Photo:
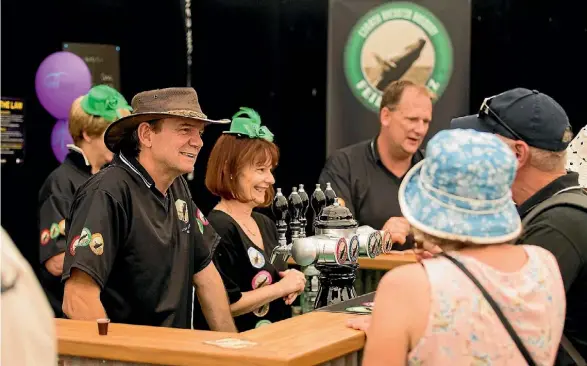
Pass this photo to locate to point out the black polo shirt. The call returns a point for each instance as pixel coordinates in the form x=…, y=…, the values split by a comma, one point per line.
x=367, y=187
x=140, y=246
x=563, y=231
x=55, y=197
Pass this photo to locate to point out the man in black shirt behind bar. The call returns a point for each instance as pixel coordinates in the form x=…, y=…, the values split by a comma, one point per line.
x=136, y=242
x=366, y=176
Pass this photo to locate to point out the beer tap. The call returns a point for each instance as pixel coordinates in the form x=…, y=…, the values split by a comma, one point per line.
x=318, y=202
x=280, y=211
x=295, y=206
x=330, y=195
x=305, y=203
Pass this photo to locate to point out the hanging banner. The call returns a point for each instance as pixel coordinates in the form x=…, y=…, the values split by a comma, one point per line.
x=373, y=43
x=186, y=12
x=103, y=60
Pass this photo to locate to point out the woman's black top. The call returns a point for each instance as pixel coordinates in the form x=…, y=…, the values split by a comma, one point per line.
x=245, y=267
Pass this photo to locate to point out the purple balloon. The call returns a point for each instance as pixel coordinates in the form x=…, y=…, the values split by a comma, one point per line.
x=60, y=79
x=60, y=138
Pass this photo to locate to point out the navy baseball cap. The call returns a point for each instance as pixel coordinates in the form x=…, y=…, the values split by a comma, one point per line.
x=522, y=114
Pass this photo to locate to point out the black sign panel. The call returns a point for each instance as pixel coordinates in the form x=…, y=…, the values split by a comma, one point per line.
x=12, y=131
x=102, y=60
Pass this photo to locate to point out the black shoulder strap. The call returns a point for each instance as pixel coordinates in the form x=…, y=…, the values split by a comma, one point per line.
x=568, y=198
x=496, y=308
x=572, y=199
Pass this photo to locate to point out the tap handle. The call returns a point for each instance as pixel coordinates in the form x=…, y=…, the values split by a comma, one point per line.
x=305, y=200
x=318, y=200
x=330, y=195
x=279, y=206
x=295, y=204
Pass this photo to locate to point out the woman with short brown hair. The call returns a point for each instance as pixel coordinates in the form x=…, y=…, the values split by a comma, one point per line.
x=240, y=173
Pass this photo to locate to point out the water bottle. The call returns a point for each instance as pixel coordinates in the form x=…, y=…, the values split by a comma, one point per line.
x=308, y=297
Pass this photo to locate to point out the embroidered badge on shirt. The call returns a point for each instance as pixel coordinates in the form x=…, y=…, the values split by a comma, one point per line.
x=62, y=227
x=257, y=259
x=200, y=216
x=97, y=244
x=201, y=220
x=45, y=237
x=74, y=244
x=85, y=237
x=54, y=230
x=182, y=210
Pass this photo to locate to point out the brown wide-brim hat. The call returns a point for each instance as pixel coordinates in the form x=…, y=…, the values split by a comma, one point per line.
x=153, y=105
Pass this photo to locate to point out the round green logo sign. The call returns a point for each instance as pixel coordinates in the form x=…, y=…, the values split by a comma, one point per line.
x=394, y=41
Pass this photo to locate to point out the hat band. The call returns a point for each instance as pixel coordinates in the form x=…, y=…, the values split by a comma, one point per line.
x=462, y=204
x=177, y=112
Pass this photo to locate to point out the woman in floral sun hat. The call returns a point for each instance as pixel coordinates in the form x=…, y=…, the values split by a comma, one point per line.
x=458, y=199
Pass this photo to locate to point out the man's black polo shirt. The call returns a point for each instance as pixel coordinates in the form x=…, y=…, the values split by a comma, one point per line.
x=140, y=246
x=367, y=187
x=55, y=197
x=563, y=231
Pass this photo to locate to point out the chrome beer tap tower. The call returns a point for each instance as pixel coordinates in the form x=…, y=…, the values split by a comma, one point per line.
x=336, y=243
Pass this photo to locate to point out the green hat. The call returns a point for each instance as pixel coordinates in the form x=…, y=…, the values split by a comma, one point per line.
x=247, y=122
x=105, y=102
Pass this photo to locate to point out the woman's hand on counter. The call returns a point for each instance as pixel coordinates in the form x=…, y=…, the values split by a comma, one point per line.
x=292, y=282
x=361, y=322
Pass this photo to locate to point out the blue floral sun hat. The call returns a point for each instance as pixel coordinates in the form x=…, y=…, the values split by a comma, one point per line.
x=462, y=189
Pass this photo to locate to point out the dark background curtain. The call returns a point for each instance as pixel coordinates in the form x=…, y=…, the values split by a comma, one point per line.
x=265, y=54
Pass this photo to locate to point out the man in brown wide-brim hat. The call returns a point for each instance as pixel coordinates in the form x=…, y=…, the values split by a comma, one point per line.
x=137, y=244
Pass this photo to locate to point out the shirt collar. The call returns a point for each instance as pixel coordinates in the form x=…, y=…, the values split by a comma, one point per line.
x=134, y=165
x=566, y=182
x=77, y=157
x=374, y=153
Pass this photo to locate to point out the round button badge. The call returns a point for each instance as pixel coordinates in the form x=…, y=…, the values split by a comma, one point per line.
x=354, y=248
x=256, y=258
x=262, y=311
x=263, y=278
x=387, y=243
x=374, y=244
x=341, y=251
x=261, y=323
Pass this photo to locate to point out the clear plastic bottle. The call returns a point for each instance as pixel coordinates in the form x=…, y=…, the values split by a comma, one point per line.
x=308, y=297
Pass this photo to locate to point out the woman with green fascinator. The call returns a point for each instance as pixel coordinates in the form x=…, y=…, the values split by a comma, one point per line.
x=89, y=116
x=240, y=173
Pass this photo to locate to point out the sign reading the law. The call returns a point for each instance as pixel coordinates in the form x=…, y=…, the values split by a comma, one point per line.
x=12, y=130
x=373, y=43
x=102, y=60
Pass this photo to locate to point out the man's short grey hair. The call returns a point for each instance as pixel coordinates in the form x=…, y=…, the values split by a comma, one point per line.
x=548, y=161
x=543, y=160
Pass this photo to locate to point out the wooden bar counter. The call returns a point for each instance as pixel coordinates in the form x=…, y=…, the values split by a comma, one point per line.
x=310, y=339
x=383, y=262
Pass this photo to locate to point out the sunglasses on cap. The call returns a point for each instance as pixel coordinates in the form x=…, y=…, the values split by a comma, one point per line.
x=485, y=110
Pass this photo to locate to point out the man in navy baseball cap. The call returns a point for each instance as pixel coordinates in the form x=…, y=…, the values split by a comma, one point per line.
x=537, y=130
x=525, y=115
